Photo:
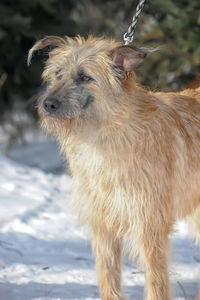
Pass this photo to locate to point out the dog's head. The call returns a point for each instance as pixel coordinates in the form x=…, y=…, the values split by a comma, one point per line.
x=87, y=80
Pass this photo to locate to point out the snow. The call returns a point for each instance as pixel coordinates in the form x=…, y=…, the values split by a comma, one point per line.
x=44, y=254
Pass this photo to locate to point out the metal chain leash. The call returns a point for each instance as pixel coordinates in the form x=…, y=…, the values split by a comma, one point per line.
x=129, y=35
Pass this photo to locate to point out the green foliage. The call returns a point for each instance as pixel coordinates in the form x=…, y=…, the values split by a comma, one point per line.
x=175, y=25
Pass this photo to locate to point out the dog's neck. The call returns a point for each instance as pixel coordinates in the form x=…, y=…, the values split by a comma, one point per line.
x=129, y=82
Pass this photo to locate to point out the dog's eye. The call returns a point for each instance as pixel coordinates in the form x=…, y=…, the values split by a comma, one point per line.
x=84, y=78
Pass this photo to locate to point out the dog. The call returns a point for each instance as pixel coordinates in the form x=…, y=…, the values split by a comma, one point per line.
x=134, y=155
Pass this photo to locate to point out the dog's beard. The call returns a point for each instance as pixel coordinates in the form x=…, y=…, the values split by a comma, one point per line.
x=56, y=125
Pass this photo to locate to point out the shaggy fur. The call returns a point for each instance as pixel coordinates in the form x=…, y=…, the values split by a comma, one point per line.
x=134, y=155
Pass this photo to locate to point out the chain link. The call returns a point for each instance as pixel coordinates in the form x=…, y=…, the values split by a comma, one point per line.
x=129, y=35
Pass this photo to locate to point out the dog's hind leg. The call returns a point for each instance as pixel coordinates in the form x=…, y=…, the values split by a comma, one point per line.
x=108, y=250
x=194, y=222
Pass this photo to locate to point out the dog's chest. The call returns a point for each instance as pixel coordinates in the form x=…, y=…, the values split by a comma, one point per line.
x=86, y=162
x=99, y=192
x=99, y=174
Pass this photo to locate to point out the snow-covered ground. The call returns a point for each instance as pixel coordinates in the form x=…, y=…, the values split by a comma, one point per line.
x=45, y=255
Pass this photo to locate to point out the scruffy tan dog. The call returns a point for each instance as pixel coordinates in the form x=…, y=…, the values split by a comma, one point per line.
x=134, y=155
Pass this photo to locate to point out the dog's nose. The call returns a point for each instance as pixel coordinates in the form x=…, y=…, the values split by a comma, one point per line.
x=51, y=104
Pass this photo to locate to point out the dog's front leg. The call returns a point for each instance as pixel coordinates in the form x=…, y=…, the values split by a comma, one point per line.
x=155, y=256
x=108, y=250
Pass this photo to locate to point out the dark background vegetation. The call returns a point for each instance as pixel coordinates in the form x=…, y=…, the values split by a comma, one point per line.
x=175, y=25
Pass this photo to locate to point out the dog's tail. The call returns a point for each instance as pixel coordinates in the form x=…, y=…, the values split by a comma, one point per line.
x=195, y=83
x=192, y=89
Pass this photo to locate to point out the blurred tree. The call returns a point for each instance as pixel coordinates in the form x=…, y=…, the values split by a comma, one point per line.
x=175, y=25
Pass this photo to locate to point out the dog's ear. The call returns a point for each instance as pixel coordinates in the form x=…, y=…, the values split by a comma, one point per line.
x=55, y=41
x=128, y=58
